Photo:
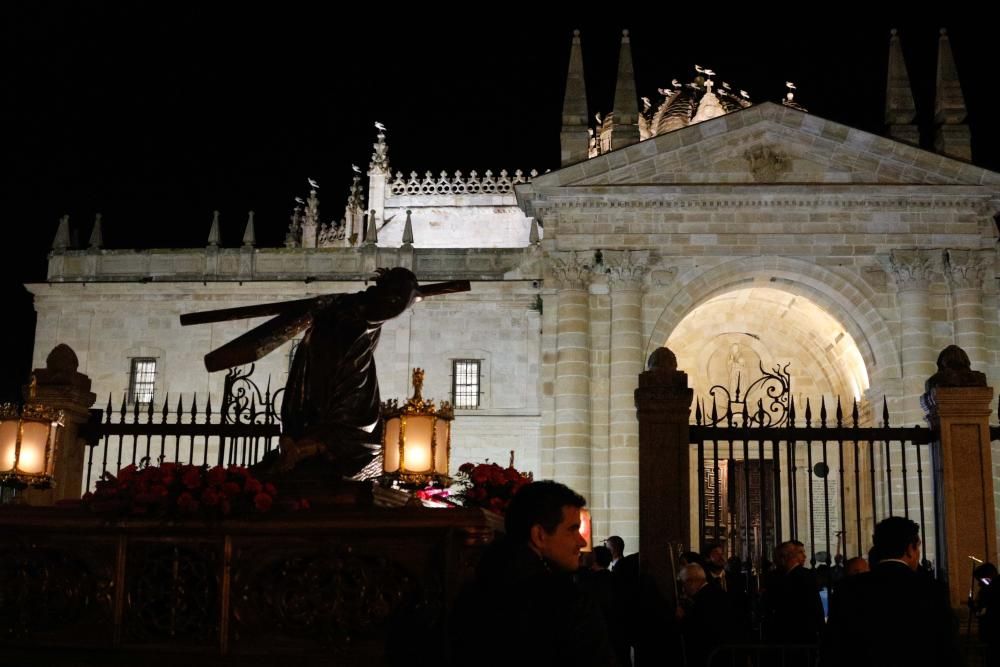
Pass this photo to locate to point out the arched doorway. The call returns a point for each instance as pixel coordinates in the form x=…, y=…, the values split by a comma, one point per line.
x=751, y=489
x=726, y=339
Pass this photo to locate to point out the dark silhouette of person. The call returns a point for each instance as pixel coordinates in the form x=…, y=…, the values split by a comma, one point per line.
x=892, y=616
x=987, y=610
x=598, y=582
x=706, y=616
x=793, y=611
x=617, y=547
x=523, y=607
x=727, y=575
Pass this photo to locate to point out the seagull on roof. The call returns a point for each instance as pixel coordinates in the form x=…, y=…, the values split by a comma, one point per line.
x=726, y=86
x=744, y=94
x=313, y=184
x=646, y=104
x=356, y=168
x=379, y=126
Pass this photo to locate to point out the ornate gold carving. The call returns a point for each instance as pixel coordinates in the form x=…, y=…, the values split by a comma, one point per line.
x=332, y=596
x=173, y=593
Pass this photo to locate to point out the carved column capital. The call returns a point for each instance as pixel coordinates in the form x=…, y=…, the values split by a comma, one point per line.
x=965, y=269
x=571, y=270
x=912, y=268
x=626, y=270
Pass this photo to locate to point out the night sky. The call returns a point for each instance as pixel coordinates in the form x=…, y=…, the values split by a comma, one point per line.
x=156, y=114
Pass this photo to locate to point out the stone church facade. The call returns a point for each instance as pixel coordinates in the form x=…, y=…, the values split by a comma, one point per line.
x=738, y=235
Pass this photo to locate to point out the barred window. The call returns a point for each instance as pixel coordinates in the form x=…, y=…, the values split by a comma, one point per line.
x=465, y=382
x=142, y=380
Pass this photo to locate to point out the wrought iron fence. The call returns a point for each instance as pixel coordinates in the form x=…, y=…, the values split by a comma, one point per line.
x=241, y=432
x=766, y=479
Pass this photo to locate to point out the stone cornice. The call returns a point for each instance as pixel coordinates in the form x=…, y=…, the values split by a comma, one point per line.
x=270, y=264
x=977, y=202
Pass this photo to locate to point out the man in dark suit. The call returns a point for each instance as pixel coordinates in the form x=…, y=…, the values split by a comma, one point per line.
x=706, y=616
x=524, y=591
x=892, y=616
x=793, y=611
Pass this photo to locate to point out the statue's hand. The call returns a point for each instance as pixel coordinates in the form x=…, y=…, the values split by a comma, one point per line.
x=292, y=451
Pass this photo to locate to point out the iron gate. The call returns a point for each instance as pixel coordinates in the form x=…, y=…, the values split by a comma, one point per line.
x=766, y=479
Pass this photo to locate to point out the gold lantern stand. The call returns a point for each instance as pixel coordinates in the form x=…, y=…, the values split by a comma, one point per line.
x=28, y=438
x=416, y=439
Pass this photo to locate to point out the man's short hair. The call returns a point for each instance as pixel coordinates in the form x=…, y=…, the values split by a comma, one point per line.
x=692, y=557
x=539, y=503
x=709, y=547
x=616, y=543
x=893, y=536
x=602, y=556
x=985, y=571
x=693, y=571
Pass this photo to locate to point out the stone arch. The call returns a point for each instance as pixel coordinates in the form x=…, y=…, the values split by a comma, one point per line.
x=847, y=300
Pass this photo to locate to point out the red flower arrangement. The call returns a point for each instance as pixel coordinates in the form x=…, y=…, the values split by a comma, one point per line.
x=172, y=489
x=489, y=486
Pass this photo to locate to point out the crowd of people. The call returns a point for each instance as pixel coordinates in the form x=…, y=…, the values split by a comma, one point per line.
x=550, y=604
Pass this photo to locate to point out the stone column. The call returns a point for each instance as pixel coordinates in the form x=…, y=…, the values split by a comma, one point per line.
x=912, y=270
x=663, y=405
x=61, y=387
x=572, y=386
x=958, y=404
x=625, y=281
x=965, y=270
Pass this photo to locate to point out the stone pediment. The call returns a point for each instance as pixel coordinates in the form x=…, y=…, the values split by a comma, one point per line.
x=769, y=143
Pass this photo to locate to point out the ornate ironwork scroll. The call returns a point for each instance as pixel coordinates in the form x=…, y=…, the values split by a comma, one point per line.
x=765, y=402
x=244, y=403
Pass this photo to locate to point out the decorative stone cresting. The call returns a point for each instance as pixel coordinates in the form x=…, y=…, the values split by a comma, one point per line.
x=459, y=185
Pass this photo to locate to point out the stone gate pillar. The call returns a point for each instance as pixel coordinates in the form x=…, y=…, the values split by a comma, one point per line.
x=663, y=405
x=61, y=387
x=958, y=404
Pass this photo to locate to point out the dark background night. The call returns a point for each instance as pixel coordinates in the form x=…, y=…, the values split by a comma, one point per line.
x=156, y=114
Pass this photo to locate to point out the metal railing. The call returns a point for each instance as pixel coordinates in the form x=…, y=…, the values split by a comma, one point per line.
x=825, y=483
x=241, y=432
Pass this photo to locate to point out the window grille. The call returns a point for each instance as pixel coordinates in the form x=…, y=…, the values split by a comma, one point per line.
x=142, y=380
x=465, y=383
